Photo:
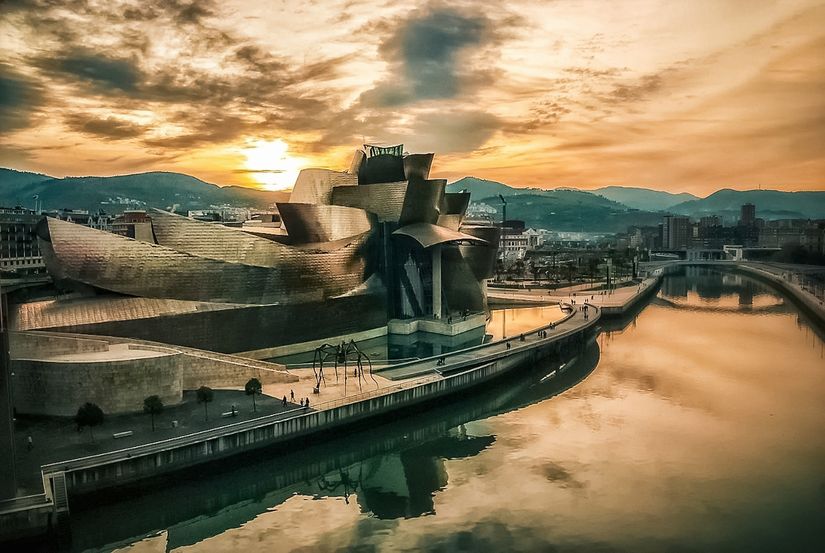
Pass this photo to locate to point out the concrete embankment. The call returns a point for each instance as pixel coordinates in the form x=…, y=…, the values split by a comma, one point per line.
x=806, y=301
x=421, y=382
x=154, y=459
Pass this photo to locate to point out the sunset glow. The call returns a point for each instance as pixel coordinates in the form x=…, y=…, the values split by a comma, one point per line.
x=678, y=96
x=270, y=165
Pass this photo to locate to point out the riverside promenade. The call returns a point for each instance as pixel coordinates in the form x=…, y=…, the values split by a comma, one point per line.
x=614, y=302
x=396, y=388
x=785, y=277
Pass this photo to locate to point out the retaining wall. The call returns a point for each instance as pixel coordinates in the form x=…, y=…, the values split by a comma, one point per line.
x=57, y=388
x=123, y=467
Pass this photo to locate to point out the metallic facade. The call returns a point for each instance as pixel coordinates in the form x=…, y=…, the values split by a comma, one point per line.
x=314, y=186
x=360, y=246
x=385, y=200
x=131, y=267
x=308, y=223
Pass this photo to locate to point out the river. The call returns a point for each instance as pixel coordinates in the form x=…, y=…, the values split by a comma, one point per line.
x=698, y=424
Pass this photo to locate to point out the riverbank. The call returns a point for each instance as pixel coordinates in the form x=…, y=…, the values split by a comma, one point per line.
x=613, y=303
x=806, y=301
x=414, y=384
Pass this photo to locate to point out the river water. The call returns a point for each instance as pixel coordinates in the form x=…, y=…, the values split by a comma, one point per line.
x=697, y=424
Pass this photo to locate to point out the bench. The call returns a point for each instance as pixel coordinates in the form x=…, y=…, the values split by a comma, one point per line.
x=124, y=434
x=229, y=414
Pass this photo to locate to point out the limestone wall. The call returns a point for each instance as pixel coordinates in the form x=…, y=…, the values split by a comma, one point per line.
x=217, y=372
x=34, y=345
x=46, y=384
x=58, y=388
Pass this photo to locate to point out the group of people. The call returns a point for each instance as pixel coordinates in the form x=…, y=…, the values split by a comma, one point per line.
x=464, y=314
x=304, y=402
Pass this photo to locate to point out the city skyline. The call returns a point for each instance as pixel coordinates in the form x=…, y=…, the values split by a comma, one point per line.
x=689, y=98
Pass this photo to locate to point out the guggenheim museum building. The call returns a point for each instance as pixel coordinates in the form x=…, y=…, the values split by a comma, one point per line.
x=360, y=248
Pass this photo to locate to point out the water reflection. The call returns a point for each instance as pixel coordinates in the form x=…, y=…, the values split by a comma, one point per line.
x=503, y=322
x=392, y=471
x=700, y=430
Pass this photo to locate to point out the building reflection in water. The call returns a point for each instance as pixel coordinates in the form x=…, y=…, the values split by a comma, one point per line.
x=402, y=485
x=392, y=471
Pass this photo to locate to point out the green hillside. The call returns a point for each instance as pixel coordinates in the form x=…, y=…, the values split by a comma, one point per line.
x=113, y=194
x=574, y=210
x=770, y=204
x=643, y=198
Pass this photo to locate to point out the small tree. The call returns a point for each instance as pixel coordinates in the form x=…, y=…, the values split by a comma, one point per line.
x=89, y=415
x=253, y=388
x=205, y=396
x=152, y=405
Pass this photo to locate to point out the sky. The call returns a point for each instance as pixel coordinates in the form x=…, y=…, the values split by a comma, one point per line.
x=673, y=95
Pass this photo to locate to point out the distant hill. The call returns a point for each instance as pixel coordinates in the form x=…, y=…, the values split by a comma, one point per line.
x=643, y=198
x=482, y=188
x=770, y=204
x=562, y=209
x=573, y=211
x=113, y=194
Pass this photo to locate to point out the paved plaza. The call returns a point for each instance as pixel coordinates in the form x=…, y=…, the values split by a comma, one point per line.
x=56, y=439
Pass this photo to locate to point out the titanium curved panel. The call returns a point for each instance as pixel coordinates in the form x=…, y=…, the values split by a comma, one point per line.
x=314, y=186
x=355, y=165
x=215, y=241
x=452, y=222
x=422, y=203
x=455, y=203
x=429, y=235
x=461, y=289
x=384, y=200
x=103, y=309
x=381, y=168
x=417, y=166
x=482, y=258
x=307, y=223
x=135, y=268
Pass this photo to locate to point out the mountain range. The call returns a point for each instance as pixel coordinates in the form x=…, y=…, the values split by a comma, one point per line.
x=114, y=194
x=609, y=209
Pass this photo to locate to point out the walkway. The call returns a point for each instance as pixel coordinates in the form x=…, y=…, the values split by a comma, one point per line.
x=613, y=302
x=58, y=439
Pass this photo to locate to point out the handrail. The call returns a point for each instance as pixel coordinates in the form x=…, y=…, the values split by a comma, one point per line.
x=203, y=435
x=23, y=502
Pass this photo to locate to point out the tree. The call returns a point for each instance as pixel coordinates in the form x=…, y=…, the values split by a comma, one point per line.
x=152, y=405
x=205, y=396
x=253, y=388
x=89, y=415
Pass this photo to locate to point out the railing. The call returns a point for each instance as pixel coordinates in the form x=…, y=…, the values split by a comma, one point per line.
x=24, y=502
x=250, y=424
x=203, y=435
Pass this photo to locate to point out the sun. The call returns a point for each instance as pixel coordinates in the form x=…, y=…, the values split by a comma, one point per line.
x=269, y=163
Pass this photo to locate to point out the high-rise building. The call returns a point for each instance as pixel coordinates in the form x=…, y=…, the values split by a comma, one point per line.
x=748, y=216
x=676, y=232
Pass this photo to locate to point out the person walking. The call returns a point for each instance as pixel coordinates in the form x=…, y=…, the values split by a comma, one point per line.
x=284, y=401
x=29, y=443
x=306, y=404
x=292, y=396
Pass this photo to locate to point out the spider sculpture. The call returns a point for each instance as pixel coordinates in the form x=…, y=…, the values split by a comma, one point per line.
x=343, y=354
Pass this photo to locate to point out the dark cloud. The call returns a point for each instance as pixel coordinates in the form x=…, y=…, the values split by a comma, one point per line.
x=20, y=97
x=253, y=91
x=107, y=127
x=108, y=74
x=429, y=53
